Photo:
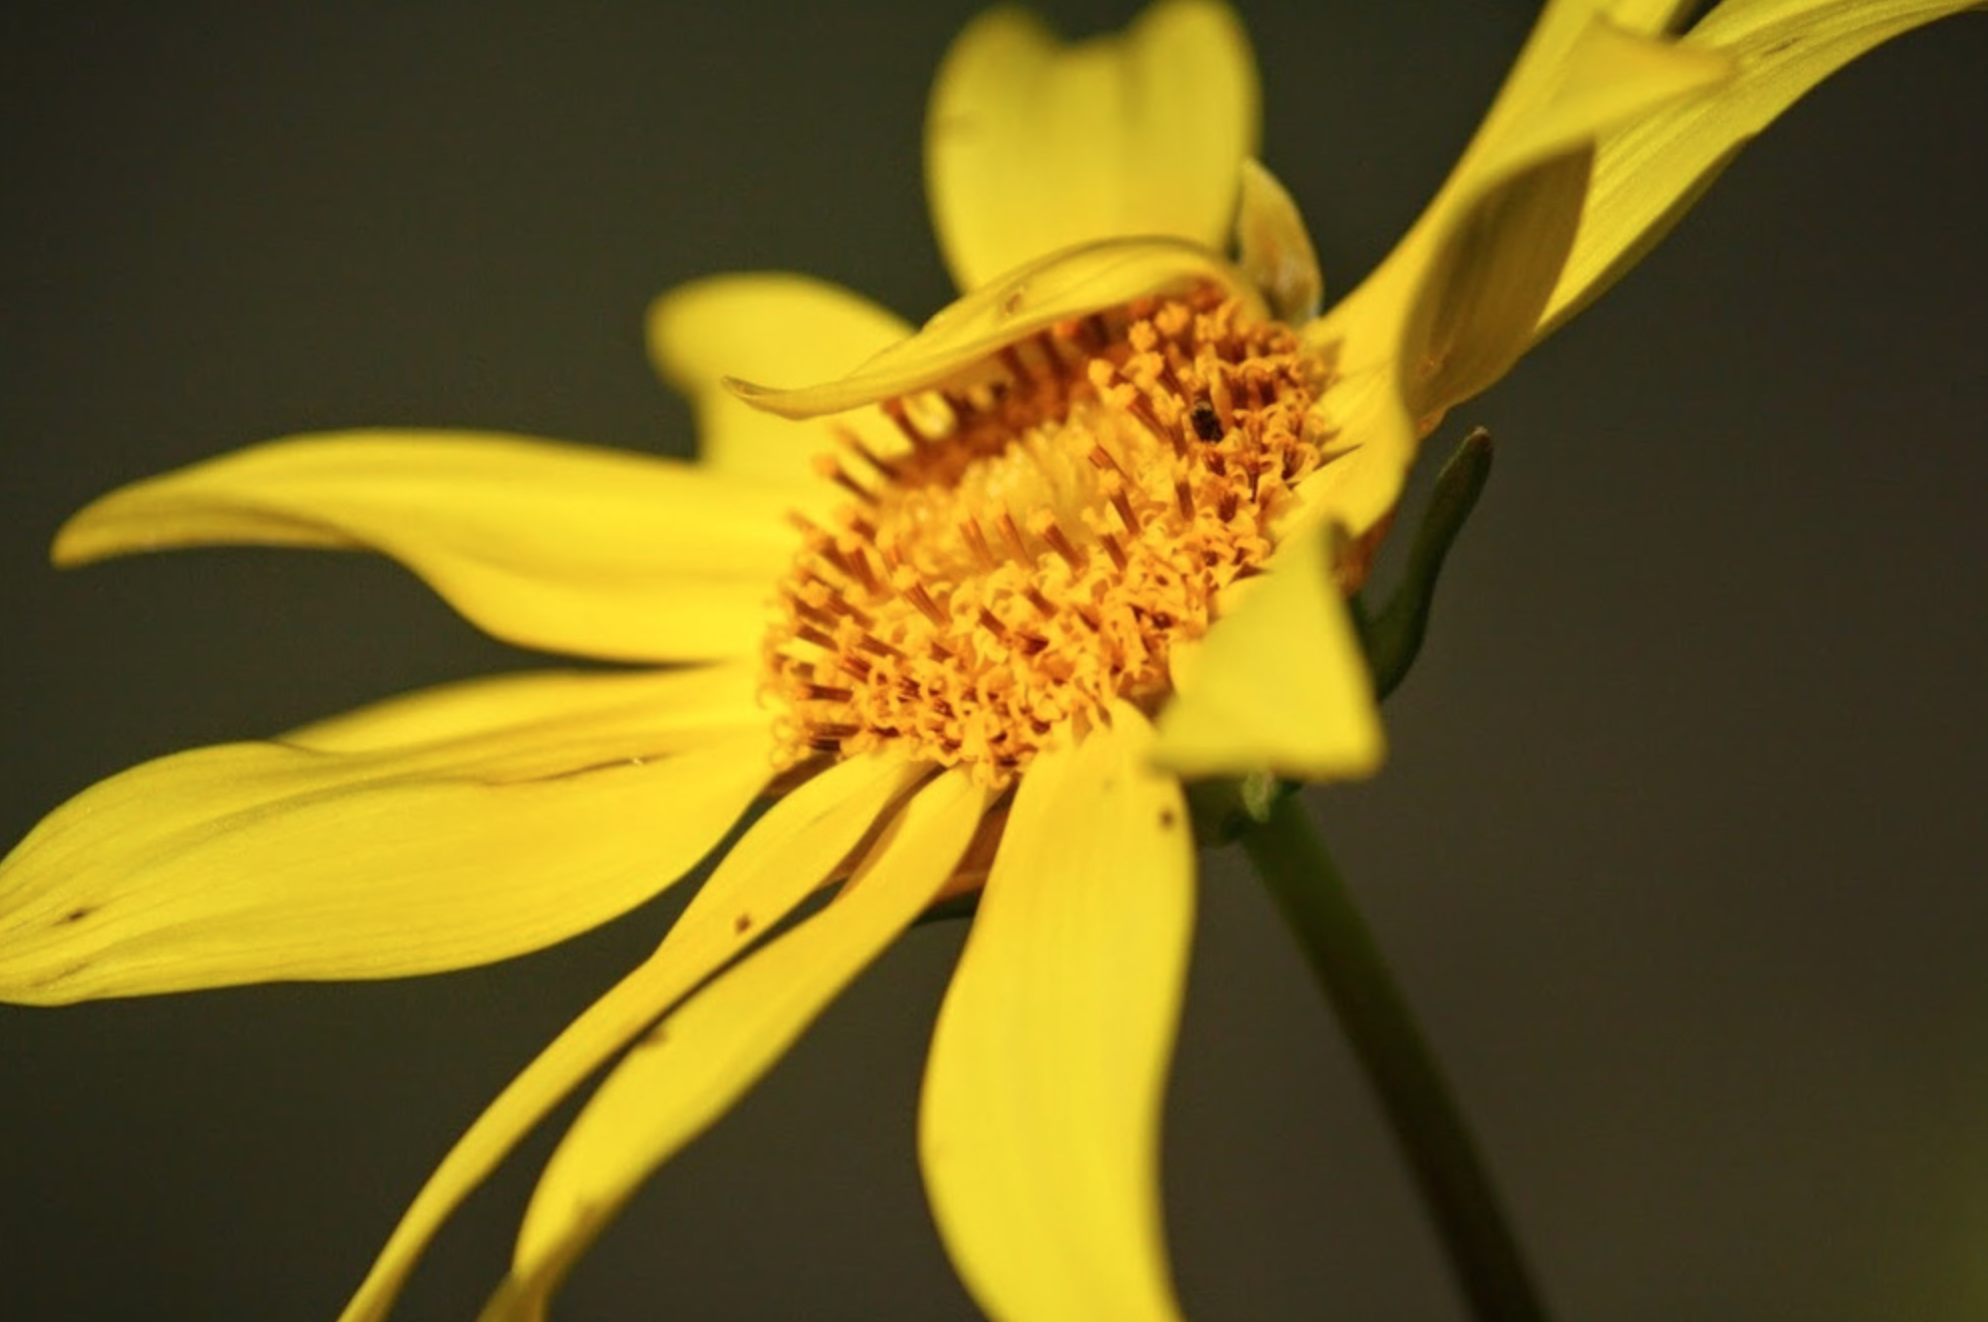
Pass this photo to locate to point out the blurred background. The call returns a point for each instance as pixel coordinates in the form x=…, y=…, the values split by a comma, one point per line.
x=1680, y=846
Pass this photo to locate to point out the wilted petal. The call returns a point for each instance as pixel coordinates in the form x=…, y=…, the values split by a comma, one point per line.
x=1280, y=683
x=693, y=1065
x=1032, y=145
x=772, y=327
x=1648, y=173
x=786, y=855
x=274, y=862
x=561, y=547
x=1039, y=1126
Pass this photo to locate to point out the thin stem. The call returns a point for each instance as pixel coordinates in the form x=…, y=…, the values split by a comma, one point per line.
x=1427, y=1125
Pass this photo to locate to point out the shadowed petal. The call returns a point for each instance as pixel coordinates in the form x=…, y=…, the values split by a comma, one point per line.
x=1039, y=1126
x=772, y=327
x=560, y=547
x=693, y=1065
x=1032, y=145
x=787, y=855
x=272, y=862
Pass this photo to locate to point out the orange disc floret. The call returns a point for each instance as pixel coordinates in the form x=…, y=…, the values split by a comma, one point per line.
x=1048, y=536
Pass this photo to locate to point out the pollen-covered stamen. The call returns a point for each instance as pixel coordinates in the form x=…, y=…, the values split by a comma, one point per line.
x=1055, y=526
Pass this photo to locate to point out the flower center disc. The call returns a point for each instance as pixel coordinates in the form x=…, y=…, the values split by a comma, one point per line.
x=1046, y=539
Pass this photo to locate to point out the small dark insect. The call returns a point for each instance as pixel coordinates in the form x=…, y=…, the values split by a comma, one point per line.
x=1207, y=425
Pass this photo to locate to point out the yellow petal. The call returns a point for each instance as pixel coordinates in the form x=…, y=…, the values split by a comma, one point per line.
x=265, y=862
x=1647, y=174
x=560, y=547
x=1032, y=146
x=1275, y=249
x=1374, y=440
x=1651, y=17
x=1039, y=1125
x=692, y=1066
x=782, y=859
x=1280, y=684
x=965, y=335
x=647, y=713
x=771, y=327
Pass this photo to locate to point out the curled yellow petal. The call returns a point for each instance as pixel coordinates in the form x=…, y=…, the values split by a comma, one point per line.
x=1280, y=684
x=272, y=862
x=964, y=336
x=560, y=547
x=783, y=858
x=1649, y=172
x=690, y=1068
x=1454, y=303
x=1032, y=145
x=1039, y=1124
x=773, y=327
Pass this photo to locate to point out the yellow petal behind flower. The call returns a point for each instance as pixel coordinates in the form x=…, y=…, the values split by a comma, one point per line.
x=1280, y=684
x=272, y=862
x=1032, y=145
x=693, y=1065
x=1060, y=287
x=786, y=855
x=566, y=548
x=1275, y=248
x=1648, y=173
x=772, y=327
x=1039, y=1125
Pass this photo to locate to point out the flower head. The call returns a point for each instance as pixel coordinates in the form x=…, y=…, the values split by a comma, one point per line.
x=964, y=605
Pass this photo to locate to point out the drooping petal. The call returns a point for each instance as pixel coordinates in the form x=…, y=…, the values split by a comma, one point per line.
x=772, y=327
x=693, y=1065
x=1280, y=684
x=784, y=857
x=273, y=862
x=1039, y=1125
x=1032, y=145
x=566, y=548
x=965, y=335
x=1648, y=173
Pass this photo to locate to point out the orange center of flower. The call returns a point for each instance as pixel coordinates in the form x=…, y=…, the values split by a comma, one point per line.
x=1045, y=540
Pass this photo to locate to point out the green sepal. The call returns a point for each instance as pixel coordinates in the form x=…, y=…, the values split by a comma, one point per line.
x=1393, y=635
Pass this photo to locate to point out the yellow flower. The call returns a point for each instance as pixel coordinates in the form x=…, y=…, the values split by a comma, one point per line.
x=1080, y=537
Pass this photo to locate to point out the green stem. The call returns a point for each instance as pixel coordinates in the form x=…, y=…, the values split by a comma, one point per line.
x=1427, y=1125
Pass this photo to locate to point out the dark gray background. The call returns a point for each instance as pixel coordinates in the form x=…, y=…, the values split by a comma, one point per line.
x=1679, y=848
